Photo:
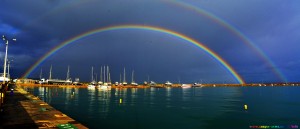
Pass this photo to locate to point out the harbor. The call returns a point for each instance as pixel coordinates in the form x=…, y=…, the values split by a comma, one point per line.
x=35, y=105
x=45, y=103
x=196, y=107
x=149, y=64
x=162, y=85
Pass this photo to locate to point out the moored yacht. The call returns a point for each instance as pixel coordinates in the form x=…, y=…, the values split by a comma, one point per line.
x=106, y=80
x=92, y=84
x=197, y=85
x=133, y=83
x=50, y=80
x=124, y=83
x=168, y=83
x=152, y=84
x=186, y=85
x=100, y=82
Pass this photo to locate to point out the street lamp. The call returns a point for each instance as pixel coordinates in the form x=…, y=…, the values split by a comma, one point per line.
x=5, y=57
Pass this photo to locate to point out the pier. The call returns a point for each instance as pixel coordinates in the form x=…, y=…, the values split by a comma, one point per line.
x=24, y=110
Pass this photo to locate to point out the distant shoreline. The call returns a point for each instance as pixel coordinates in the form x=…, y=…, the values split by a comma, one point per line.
x=162, y=85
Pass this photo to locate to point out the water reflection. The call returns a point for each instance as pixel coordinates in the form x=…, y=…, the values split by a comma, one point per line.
x=104, y=102
x=168, y=97
x=147, y=107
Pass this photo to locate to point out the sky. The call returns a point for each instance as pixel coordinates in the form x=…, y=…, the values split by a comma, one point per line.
x=260, y=40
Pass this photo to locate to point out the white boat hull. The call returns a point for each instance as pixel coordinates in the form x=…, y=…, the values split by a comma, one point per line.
x=103, y=87
x=186, y=86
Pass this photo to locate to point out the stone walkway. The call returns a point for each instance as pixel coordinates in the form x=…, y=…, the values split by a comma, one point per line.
x=23, y=110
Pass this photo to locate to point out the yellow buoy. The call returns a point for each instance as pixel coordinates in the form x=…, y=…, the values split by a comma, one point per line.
x=245, y=106
x=120, y=100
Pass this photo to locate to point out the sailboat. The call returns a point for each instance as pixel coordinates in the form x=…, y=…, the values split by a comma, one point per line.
x=168, y=83
x=132, y=80
x=42, y=80
x=107, y=84
x=153, y=84
x=197, y=84
x=124, y=80
x=92, y=83
x=108, y=77
x=101, y=77
x=146, y=83
x=119, y=83
x=68, y=79
x=50, y=80
x=50, y=76
x=186, y=85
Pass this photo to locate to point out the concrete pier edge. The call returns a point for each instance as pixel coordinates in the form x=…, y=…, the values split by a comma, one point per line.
x=24, y=110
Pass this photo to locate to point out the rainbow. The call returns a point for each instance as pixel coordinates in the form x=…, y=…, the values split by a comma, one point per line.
x=141, y=27
x=233, y=30
x=202, y=12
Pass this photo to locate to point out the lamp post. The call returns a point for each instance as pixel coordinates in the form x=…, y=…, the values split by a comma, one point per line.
x=5, y=57
x=8, y=67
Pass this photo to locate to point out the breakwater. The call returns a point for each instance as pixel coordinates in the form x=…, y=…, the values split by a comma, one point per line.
x=24, y=110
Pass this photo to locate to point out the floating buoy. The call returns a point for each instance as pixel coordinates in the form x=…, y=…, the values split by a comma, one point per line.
x=245, y=106
x=120, y=100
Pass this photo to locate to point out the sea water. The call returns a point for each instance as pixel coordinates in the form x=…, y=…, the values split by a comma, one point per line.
x=177, y=108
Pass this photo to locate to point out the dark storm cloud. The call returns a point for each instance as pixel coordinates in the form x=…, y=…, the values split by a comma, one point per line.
x=41, y=26
x=272, y=26
x=7, y=28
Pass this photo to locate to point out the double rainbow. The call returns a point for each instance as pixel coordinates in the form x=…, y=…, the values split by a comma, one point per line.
x=140, y=27
x=233, y=30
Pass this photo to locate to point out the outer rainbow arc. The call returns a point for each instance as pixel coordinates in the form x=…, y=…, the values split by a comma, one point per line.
x=231, y=28
x=143, y=27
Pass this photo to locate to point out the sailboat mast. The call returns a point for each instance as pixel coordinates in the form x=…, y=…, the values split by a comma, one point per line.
x=132, y=80
x=41, y=73
x=96, y=77
x=50, y=73
x=104, y=74
x=101, y=74
x=124, y=79
x=107, y=72
x=109, y=78
x=92, y=73
x=68, y=73
x=120, y=78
